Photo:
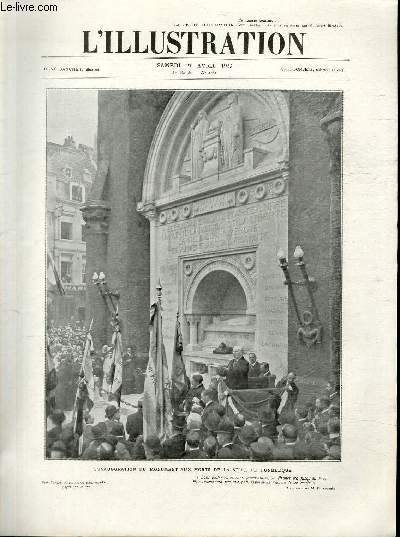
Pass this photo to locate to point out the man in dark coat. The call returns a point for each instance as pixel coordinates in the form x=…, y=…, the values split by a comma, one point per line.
x=134, y=423
x=225, y=439
x=128, y=386
x=284, y=450
x=209, y=398
x=254, y=365
x=196, y=389
x=112, y=421
x=174, y=446
x=241, y=445
x=193, y=450
x=238, y=371
x=289, y=395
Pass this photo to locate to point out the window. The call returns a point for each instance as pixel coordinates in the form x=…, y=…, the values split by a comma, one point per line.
x=83, y=233
x=68, y=172
x=77, y=193
x=66, y=271
x=62, y=190
x=66, y=231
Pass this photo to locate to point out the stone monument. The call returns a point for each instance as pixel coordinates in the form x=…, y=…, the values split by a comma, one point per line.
x=215, y=193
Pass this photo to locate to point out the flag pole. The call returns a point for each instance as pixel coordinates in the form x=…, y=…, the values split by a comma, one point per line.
x=80, y=373
x=159, y=291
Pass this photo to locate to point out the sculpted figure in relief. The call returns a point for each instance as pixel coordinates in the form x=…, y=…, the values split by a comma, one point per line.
x=232, y=134
x=199, y=132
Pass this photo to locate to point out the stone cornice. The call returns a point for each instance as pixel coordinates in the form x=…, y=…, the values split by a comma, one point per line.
x=96, y=215
x=182, y=198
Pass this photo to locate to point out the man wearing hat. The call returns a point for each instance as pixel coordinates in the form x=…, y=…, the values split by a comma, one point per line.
x=238, y=371
x=322, y=414
x=138, y=451
x=152, y=448
x=56, y=418
x=267, y=416
x=58, y=450
x=134, y=423
x=285, y=448
x=174, y=446
x=193, y=450
x=241, y=447
x=112, y=419
x=224, y=438
x=99, y=432
x=333, y=453
x=261, y=451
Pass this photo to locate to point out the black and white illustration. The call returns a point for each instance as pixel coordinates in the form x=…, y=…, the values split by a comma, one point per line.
x=194, y=285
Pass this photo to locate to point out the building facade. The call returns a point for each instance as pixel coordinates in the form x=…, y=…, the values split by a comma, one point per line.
x=71, y=170
x=200, y=190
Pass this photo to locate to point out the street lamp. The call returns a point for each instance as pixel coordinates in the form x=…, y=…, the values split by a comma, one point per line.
x=307, y=332
x=105, y=292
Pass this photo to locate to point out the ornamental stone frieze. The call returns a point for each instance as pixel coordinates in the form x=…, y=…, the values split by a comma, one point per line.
x=269, y=189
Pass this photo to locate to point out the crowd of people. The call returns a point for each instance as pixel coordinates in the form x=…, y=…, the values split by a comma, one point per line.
x=204, y=426
x=66, y=345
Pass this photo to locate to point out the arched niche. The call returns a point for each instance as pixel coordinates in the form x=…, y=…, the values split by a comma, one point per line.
x=170, y=172
x=219, y=307
x=218, y=267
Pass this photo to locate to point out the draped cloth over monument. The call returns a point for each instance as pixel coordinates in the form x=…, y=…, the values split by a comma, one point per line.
x=250, y=402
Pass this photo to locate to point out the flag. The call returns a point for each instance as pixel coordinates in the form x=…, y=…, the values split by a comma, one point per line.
x=85, y=391
x=116, y=367
x=157, y=410
x=179, y=380
x=53, y=277
x=51, y=381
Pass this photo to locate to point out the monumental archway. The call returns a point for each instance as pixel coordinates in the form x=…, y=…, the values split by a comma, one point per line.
x=215, y=192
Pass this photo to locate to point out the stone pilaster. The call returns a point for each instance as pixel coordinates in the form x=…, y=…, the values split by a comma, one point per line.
x=96, y=215
x=150, y=213
x=331, y=124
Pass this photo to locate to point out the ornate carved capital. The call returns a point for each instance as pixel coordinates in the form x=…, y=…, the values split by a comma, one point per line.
x=148, y=210
x=192, y=318
x=96, y=215
x=331, y=124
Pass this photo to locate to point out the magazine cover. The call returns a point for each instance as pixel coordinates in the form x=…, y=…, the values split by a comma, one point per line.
x=198, y=269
